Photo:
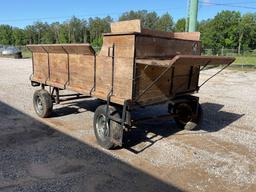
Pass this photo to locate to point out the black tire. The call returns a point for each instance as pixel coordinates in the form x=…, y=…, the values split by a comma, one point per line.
x=42, y=102
x=104, y=133
x=18, y=55
x=187, y=118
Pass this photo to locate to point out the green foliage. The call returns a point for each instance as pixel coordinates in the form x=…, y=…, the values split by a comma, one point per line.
x=97, y=43
x=165, y=23
x=180, y=25
x=97, y=26
x=19, y=37
x=6, y=37
x=228, y=29
x=150, y=20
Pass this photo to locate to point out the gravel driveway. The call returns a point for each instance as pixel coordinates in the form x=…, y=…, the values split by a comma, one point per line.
x=61, y=154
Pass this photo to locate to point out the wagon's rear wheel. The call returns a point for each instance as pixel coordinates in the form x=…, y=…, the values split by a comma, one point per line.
x=103, y=128
x=186, y=117
x=42, y=102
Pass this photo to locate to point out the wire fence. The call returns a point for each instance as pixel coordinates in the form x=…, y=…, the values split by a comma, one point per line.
x=246, y=59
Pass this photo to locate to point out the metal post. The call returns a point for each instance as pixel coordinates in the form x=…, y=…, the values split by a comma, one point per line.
x=193, y=10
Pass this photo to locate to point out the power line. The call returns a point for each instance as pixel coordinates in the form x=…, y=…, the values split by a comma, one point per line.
x=94, y=15
x=227, y=5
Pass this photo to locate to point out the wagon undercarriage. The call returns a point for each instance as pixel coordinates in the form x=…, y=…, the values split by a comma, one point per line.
x=134, y=69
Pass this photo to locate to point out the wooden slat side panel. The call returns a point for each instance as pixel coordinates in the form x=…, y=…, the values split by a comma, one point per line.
x=81, y=68
x=150, y=47
x=123, y=74
x=182, y=78
x=123, y=78
x=103, y=74
x=40, y=66
x=163, y=89
x=58, y=68
x=124, y=46
x=145, y=76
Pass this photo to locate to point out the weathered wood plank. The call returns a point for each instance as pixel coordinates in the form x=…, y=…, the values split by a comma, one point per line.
x=81, y=70
x=191, y=36
x=126, y=26
x=40, y=67
x=153, y=47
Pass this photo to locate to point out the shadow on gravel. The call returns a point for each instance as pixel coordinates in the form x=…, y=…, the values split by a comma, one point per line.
x=35, y=157
x=148, y=133
x=214, y=119
x=73, y=106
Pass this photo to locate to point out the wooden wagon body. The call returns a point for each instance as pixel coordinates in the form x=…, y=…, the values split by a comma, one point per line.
x=136, y=66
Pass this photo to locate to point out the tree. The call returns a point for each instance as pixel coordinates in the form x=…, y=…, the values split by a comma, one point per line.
x=18, y=36
x=96, y=27
x=77, y=30
x=180, y=25
x=247, y=32
x=226, y=28
x=165, y=23
x=151, y=20
x=221, y=31
x=6, y=36
x=134, y=15
x=64, y=33
x=30, y=34
x=208, y=38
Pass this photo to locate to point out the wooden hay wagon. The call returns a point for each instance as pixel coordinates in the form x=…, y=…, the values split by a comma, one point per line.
x=135, y=68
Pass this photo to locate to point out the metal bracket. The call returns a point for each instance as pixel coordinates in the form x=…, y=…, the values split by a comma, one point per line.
x=226, y=66
x=112, y=83
x=94, y=76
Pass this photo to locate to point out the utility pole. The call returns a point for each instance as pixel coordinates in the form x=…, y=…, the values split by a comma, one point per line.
x=192, y=19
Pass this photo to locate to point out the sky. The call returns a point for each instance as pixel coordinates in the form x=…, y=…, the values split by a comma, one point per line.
x=20, y=13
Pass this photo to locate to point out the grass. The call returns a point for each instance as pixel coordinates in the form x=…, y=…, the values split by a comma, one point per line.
x=245, y=60
x=26, y=54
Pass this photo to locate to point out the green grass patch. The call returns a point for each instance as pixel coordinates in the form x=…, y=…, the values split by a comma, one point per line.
x=26, y=54
x=245, y=60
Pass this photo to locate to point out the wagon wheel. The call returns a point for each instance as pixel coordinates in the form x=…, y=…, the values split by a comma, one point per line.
x=185, y=117
x=42, y=102
x=104, y=130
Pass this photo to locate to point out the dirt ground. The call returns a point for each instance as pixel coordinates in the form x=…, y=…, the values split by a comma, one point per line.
x=61, y=154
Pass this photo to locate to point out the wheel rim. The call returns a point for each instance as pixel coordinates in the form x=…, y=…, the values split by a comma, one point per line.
x=184, y=112
x=39, y=105
x=102, y=127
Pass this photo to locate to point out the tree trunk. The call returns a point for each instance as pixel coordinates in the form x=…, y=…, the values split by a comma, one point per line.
x=240, y=42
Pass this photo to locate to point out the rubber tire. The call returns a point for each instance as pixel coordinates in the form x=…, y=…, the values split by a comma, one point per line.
x=47, y=104
x=107, y=142
x=193, y=123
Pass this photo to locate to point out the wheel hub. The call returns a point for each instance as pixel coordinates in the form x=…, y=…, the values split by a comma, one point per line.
x=102, y=127
x=39, y=105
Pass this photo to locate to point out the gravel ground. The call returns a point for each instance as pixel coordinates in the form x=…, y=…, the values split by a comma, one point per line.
x=61, y=154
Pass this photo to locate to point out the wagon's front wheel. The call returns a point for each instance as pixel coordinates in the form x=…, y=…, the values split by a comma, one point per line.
x=42, y=102
x=104, y=128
